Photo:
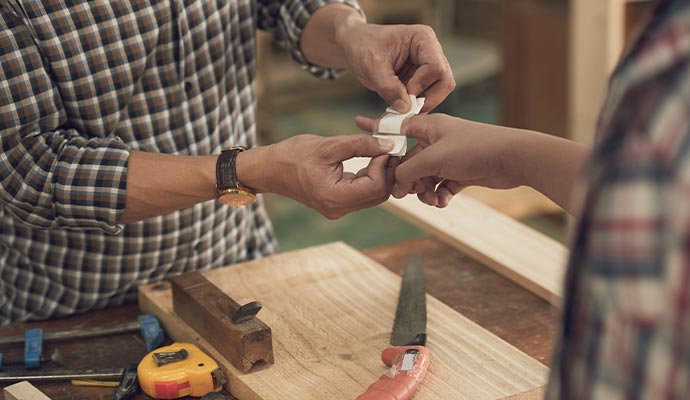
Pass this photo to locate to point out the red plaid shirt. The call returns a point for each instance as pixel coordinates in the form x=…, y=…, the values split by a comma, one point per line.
x=626, y=322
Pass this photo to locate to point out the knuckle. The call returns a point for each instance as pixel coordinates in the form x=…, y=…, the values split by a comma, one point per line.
x=449, y=81
x=387, y=87
x=305, y=141
x=438, y=69
x=360, y=139
x=427, y=30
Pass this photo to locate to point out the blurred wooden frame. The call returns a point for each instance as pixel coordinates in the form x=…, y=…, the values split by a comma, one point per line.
x=599, y=31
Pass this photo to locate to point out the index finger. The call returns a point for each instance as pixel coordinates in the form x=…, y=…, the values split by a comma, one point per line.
x=365, y=123
x=433, y=78
x=437, y=92
x=419, y=127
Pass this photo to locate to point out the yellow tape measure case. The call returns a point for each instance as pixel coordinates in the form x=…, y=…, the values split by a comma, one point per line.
x=179, y=370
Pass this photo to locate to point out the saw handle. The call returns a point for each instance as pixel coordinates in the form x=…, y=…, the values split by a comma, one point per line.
x=408, y=366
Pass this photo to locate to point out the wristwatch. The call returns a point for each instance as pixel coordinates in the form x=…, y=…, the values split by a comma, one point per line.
x=228, y=190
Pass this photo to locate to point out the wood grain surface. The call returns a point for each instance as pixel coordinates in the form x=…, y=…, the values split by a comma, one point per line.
x=331, y=310
x=487, y=298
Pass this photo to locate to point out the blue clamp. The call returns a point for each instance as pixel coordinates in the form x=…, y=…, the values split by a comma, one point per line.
x=33, y=348
x=151, y=331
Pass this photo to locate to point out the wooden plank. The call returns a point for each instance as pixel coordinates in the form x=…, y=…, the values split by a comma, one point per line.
x=522, y=254
x=24, y=391
x=331, y=311
x=517, y=203
x=596, y=42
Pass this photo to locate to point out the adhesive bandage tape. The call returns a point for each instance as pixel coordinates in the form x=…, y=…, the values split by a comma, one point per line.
x=399, y=144
x=391, y=121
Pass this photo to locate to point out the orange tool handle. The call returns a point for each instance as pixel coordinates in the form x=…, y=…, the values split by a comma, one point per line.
x=408, y=365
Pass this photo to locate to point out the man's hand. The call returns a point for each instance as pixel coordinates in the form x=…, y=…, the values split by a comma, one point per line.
x=309, y=169
x=392, y=60
x=397, y=60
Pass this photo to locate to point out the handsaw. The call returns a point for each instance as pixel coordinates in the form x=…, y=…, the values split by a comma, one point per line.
x=408, y=358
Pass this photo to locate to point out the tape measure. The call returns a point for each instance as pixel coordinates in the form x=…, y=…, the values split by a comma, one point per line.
x=179, y=370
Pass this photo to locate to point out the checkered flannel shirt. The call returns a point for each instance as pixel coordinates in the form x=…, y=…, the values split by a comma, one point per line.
x=82, y=83
x=626, y=323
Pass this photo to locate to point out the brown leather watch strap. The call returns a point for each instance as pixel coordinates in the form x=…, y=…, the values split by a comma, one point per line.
x=226, y=172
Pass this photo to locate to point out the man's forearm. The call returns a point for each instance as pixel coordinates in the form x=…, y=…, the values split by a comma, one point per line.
x=319, y=40
x=158, y=184
x=306, y=168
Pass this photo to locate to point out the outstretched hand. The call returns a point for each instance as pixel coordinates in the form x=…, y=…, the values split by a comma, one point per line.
x=398, y=60
x=309, y=169
x=450, y=154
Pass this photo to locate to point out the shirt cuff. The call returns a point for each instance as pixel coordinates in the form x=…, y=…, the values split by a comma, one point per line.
x=89, y=185
x=295, y=16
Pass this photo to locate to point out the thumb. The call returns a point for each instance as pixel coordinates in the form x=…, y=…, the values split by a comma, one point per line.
x=348, y=146
x=387, y=84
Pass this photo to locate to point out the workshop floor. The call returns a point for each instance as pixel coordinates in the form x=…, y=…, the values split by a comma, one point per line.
x=297, y=226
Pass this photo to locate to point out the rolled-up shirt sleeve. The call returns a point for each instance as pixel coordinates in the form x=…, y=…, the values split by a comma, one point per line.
x=51, y=175
x=286, y=19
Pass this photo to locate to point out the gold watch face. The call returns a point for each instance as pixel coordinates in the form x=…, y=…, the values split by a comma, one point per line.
x=236, y=197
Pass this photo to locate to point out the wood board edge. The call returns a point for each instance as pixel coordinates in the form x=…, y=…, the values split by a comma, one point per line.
x=551, y=291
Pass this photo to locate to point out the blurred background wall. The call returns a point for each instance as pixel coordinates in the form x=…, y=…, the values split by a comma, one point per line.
x=534, y=64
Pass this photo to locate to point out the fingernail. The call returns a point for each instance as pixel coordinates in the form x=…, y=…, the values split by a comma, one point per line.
x=386, y=144
x=397, y=192
x=401, y=106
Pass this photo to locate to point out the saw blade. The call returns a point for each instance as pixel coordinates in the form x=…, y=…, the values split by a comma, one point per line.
x=409, y=328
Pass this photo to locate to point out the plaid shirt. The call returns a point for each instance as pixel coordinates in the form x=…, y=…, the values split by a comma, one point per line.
x=84, y=82
x=626, y=331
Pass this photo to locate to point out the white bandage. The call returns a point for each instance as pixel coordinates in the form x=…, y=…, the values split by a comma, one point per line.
x=399, y=143
x=391, y=121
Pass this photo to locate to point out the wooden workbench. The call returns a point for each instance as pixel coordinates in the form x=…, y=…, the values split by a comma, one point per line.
x=507, y=310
